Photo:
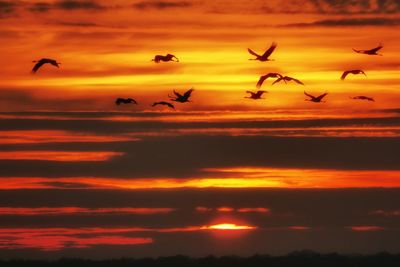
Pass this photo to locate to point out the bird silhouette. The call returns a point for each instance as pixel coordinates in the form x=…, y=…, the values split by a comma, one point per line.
x=287, y=79
x=347, y=72
x=182, y=98
x=315, y=99
x=361, y=97
x=372, y=52
x=265, y=56
x=120, y=101
x=41, y=62
x=166, y=58
x=266, y=76
x=256, y=95
x=163, y=103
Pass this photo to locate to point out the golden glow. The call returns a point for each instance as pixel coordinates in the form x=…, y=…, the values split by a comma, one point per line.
x=247, y=177
x=228, y=226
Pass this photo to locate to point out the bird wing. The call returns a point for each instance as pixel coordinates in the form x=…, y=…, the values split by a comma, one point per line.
x=37, y=66
x=177, y=94
x=344, y=75
x=188, y=93
x=155, y=104
x=311, y=96
x=170, y=105
x=252, y=52
x=260, y=93
x=261, y=80
x=250, y=92
x=297, y=81
x=270, y=50
x=376, y=49
x=277, y=80
x=134, y=101
x=321, y=96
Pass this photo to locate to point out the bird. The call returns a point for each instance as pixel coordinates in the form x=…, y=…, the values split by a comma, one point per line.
x=287, y=79
x=256, y=95
x=266, y=76
x=120, y=101
x=315, y=99
x=41, y=62
x=265, y=56
x=166, y=58
x=163, y=103
x=182, y=98
x=372, y=52
x=347, y=72
x=361, y=97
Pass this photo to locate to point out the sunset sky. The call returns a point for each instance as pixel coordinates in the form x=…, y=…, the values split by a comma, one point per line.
x=222, y=174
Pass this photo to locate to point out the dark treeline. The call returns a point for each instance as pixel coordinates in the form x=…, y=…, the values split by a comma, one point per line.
x=303, y=258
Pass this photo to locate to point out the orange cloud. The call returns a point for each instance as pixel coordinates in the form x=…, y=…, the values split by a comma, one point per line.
x=366, y=228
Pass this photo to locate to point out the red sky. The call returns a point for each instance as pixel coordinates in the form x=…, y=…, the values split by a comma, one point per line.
x=83, y=177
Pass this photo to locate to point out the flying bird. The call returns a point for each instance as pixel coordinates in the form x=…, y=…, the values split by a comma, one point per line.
x=256, y=95
x=288, y=79
x=266, y=76
x=182, y=98
x=166, y=58
x=361, y=97
x=347, y=72
x=41, y=62
x=315, y=99
x=163, y=103
x=372, y=52
x=120, y=101
x=265, y=56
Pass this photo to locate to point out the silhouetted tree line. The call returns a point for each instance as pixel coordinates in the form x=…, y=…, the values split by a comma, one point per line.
x=301, y=258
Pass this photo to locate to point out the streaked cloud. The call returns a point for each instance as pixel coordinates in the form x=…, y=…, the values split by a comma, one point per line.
x=64, y=156
x=80, y=210
x=366, y=228
x=379, y=21
x=156, y=4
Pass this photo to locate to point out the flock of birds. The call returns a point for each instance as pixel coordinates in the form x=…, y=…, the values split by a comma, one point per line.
x=183, y=98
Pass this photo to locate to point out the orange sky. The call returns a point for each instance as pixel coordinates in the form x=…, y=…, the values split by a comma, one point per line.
x=96, y=179
x=105, y=50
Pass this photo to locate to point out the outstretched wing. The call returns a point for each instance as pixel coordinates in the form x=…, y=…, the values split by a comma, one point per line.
x=177, y=94
x=321, y=96
x=188, y=93
x=260, y=93
x=261, y=80
x=311, y=96
x=297, y=81
x=277, y=80
x=270, y=50
x=376, y=49
x=252, y=52
x=170, y=105
x=344, y=75
x=37, y=66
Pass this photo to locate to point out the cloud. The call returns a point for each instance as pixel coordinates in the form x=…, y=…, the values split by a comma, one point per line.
x=7, y=7
x=349, y=22
x=162, y=4
x=40, y=7
x=78, y=4
x=66, y=5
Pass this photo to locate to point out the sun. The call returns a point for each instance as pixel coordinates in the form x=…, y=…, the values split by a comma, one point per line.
x=228, y=226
